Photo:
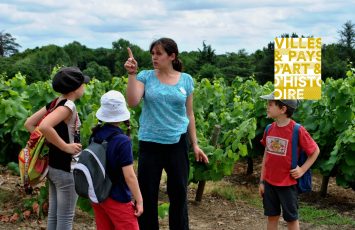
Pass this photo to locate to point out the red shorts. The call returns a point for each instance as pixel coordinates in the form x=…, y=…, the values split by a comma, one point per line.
x=112, y=214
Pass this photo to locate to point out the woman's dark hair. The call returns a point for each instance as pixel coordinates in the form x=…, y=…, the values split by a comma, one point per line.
x=170, y=47
x=289, y=110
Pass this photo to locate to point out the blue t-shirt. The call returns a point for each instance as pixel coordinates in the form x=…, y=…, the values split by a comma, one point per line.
x=163, y=118
x=119, y=154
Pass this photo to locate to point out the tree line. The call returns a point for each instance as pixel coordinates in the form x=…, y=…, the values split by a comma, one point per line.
x=104, y=63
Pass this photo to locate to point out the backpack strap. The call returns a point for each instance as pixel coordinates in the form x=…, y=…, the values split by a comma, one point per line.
x=49, y=110
x=107, y=139
x=110, y=171
x=105, y=142
x=53, y=105
x=295, y=145
x=267, y=128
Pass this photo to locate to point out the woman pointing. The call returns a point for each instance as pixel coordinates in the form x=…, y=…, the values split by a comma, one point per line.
x=166, y=122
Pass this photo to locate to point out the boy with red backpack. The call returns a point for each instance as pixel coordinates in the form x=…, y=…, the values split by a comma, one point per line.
x=278, y=182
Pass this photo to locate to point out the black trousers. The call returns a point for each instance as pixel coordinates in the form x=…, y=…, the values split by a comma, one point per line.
x=173, y=158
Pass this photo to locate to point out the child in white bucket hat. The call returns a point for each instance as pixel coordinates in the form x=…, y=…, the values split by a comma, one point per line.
x=117, y=211
x=113, y=108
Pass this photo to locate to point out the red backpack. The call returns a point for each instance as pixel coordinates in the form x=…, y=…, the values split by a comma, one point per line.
x=33, y=158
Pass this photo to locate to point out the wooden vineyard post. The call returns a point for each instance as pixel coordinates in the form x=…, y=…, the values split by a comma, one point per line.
x=201, y=184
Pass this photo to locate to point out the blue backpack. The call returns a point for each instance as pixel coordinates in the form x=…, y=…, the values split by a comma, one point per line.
x=304, y=183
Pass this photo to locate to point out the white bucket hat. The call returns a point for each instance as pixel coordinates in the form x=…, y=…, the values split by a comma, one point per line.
x=113, y=107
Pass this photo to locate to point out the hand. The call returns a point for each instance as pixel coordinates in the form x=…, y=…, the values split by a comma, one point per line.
x=73, y=148
x=297, y=172
x=131, y=64
x=200, y=156
x=261, y=190
x=138, y=209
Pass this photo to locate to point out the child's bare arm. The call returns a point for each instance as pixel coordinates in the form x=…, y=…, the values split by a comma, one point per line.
x=132, y=183
x=33, y=120
x=47, y=128
x=299, y=171
x=261, y=184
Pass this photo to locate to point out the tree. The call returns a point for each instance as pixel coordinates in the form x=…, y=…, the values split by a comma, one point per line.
x=8, y=46
x=293, y=35
x=119, y=48
x=264, y=64
x=105, y=57
x=264, y=60
x=101, y=73
x=207, y=55
x=235, y=64
x=347, y=40
x=45, y=59
x=333, y=64
x=208, y=71
x=189, y=62
x=79, y=54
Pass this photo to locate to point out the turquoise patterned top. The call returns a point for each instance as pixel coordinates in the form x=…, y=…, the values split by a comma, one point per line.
x=163, y=118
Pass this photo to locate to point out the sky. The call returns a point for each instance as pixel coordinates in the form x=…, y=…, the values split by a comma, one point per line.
x=227, y=25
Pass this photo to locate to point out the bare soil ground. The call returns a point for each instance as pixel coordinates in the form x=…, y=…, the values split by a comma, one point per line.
x=214, y=212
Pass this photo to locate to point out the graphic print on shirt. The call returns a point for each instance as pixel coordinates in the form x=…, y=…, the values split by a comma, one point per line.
x=276, y=145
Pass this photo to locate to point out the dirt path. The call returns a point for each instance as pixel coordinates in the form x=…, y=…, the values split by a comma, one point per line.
x=215, y=212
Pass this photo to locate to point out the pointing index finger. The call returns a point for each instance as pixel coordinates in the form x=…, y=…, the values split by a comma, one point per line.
x=130, y=54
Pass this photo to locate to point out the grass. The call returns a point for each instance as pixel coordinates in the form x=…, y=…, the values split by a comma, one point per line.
x=225, y=192
x=318, y=216
x=233, y=193
x=307, y=213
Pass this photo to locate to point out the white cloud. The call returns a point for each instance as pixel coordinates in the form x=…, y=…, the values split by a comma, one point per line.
x=226, y=25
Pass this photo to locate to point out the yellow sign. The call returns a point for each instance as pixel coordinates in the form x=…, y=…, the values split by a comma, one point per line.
x=298, y=68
